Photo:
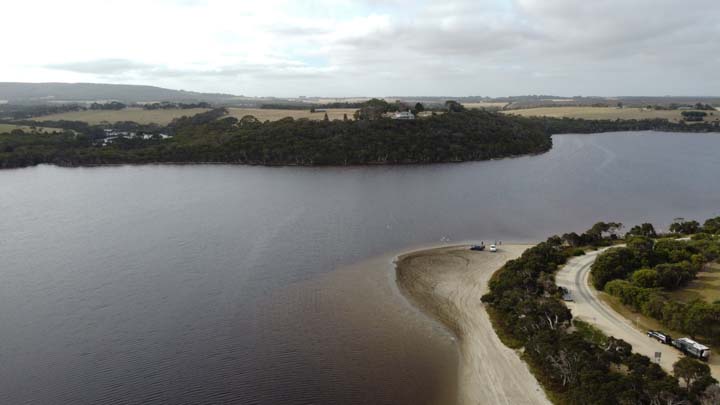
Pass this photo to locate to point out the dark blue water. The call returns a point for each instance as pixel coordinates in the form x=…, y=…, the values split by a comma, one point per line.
x=141, y=284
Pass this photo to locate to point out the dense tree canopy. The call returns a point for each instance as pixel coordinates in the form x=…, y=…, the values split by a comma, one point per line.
x=455, y=136
x=212, y=137
x=641, y=274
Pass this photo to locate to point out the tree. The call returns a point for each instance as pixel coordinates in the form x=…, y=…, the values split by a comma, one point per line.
x=693, y=373
x=647, y=230
x=611, y=265
x=454, y=106
x=646, y=278
x=711, y=396
x=685, y=227
x=326, y=118
x=573, y=239
x=642, y=248
x=712, y=225
x=419, y=107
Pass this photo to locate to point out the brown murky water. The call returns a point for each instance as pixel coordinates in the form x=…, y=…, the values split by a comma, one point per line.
x=384, y=342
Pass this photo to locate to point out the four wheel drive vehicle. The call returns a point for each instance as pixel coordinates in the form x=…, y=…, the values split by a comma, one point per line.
x=493, y=248
x=478, y=248
x=659, y=336
x=692, y=348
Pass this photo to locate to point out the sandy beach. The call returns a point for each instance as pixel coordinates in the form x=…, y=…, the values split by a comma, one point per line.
x=447, y=284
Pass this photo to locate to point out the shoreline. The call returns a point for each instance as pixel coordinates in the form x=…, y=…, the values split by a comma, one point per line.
x=446, y=284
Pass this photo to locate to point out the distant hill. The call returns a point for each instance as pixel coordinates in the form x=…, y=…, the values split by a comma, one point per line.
x=88, y=92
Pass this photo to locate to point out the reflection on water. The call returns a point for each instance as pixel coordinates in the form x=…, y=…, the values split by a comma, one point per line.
x=216, y=283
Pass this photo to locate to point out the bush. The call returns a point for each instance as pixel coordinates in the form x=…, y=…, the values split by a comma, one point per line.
x=616, y=263
x=577, y=252
x=646, y=278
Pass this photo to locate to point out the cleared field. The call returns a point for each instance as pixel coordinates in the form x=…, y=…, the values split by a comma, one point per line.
x=9, y=127
x=139, y=115
x=706, y=286
x=274, y=115
x=607, y=113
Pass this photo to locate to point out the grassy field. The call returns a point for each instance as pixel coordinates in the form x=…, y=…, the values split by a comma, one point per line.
x=706, y=286
x=484, y=104
x=163, y=117
x=607, y=113
x=94, y=117
x=274, y=115
x=9, y=127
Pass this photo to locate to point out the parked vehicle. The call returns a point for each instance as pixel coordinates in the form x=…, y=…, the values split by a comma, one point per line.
x=660, y=337
x=478, y=248
x=566, y=296
x=692, y=348
x=493, y=248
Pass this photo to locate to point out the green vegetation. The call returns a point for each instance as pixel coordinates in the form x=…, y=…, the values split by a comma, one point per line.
x=694, y=115
x=112, y=106
x=456, y=135
x=212, y=137
x=582, y=126
x=575, y=365
x=166, y=105
x=625, y=113
x=7, y=128
x=601, y=234
x=574, y=361
x=695, y=375
x=645, y=273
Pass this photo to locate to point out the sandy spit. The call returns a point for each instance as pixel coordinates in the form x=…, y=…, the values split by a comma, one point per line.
x=447, y=283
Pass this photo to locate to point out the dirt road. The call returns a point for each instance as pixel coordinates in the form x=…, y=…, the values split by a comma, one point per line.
x=447, y=283
x=589, y=308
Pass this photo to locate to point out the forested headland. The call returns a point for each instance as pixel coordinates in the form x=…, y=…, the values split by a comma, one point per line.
x=575, y=362
x=212, y=137
x=455, y=135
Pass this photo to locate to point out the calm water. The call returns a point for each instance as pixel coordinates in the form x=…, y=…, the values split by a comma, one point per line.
x=202, y=284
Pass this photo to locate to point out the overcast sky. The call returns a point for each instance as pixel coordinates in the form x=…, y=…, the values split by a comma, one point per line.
x=370, y=47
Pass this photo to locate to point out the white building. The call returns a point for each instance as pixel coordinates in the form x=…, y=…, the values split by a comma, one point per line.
x=404, y=115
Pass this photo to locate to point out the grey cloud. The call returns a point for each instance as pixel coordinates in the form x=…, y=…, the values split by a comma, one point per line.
x=460, y=47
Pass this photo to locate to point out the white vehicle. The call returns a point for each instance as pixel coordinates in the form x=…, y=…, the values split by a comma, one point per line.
x=493, y=248
x=692, y=348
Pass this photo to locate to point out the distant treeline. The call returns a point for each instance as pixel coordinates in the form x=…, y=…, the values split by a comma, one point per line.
x=557, y=126
x=22, y=112
x=372, y=103
x=579, y=365
x=111, y=106
x=166, y=105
